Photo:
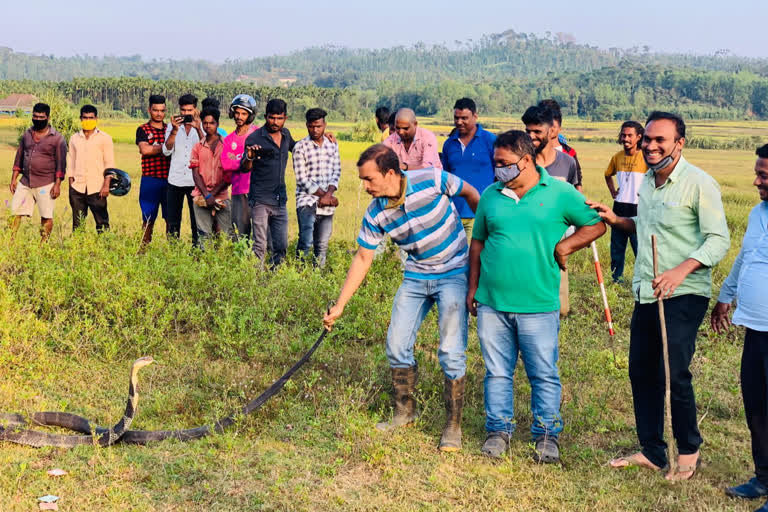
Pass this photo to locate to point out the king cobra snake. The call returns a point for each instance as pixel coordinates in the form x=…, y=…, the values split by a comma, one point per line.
x=79, y=424
x=14, y=433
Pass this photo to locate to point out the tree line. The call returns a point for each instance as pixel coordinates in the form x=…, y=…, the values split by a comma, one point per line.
x=493, y=57
x=609, y=93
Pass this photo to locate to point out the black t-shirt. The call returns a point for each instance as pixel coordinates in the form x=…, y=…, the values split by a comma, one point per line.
x=268, y=172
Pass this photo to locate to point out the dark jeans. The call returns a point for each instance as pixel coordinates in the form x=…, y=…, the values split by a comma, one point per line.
x=646, y=372
x=241, y=215
x=269, y=223
x=175, y=206
x=619, y=239
x=80, y=204
x=754, y=388
x=314, y=232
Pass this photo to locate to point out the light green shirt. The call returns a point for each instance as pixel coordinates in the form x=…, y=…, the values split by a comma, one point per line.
x=686, y=215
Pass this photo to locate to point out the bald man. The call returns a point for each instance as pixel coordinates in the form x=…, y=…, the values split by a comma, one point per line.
x=416, y=147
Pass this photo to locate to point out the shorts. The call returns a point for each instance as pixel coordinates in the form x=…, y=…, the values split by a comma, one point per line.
x=152, y=196
x=25, y=198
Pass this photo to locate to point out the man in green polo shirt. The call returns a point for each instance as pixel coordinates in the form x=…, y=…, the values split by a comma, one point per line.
x=681, y=205
x=514, y=280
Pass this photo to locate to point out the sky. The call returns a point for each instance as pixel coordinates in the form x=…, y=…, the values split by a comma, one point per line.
x=230, y=30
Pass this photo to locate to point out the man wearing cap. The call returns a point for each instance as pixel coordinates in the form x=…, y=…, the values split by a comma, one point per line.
x=90, y=153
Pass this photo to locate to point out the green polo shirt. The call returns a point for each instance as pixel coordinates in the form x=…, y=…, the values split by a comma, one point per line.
x=518, y=271
x=686, y=215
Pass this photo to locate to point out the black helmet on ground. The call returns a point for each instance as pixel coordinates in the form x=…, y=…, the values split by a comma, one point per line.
x=120, y=184
x=245, y=102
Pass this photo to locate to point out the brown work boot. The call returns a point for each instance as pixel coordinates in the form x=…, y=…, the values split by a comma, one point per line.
x=404, y=382
x=454, y=403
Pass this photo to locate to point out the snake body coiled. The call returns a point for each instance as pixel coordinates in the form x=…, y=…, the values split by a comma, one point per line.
x=120, y=433
x=15, y=432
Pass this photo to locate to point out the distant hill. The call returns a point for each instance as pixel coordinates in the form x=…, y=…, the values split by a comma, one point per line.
x=493, y=57
x=504, y=73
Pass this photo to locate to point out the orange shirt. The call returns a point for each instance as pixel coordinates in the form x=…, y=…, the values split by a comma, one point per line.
x=209, y=166
x=87, y=159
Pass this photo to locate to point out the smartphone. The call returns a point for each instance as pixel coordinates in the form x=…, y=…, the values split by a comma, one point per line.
x=188, y=118
x=264, y=152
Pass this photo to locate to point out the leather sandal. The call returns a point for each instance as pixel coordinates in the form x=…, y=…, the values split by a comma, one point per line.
x=685, y=469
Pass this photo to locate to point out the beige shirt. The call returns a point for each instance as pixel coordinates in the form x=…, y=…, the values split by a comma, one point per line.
x=87, y=159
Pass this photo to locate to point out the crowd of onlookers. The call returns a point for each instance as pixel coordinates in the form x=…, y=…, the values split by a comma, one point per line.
x=485, y=225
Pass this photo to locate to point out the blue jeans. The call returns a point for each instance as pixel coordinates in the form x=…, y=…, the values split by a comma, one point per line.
x=152, y=197
x=534, y=336
x=314, y=232
x=413, y=301
x=269, y=225
x=619, y=239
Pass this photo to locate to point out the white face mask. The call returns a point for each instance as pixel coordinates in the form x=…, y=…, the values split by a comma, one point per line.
x=507, y=173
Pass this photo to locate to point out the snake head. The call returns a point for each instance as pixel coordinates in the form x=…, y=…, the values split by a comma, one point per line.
x=142, y=362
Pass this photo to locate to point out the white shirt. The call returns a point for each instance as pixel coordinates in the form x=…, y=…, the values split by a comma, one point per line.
x=180, y=175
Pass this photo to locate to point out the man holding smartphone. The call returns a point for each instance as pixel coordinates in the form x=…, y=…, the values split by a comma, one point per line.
x=266, y=158
x=181, y=135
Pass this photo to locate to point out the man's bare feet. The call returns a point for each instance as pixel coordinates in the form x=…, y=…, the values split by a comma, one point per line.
x=686, y=467
x=636, y=459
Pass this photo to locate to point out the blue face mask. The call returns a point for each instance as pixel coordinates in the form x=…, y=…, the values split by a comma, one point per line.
x=506, y=174
x=662, y=164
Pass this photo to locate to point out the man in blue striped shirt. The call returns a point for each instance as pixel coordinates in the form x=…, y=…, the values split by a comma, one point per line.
x=416, y=210
x=746, y=283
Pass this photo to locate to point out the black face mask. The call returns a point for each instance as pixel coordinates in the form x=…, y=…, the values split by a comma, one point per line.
x=39, y=124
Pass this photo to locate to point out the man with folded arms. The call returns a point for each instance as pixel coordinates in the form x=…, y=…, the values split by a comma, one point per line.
x=317, y=165
x=211, y=202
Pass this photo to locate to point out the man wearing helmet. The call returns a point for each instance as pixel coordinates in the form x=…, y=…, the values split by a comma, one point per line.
x=243, y=111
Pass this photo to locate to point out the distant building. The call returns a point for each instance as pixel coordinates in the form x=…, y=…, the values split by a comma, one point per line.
x=14, y=102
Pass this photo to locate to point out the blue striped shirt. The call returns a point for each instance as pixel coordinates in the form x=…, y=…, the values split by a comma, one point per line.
x=426, y=226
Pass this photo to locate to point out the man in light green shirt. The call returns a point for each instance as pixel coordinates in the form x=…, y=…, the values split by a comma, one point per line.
x=681, y=205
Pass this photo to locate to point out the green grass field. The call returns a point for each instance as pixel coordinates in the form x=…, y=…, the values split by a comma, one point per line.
x=76, y=312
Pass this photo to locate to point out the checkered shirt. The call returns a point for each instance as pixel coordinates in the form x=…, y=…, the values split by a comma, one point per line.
x=315, y=167
x=156, y=166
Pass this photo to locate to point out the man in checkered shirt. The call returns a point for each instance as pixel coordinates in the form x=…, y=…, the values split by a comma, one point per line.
x=317, y=165
x=150, y=138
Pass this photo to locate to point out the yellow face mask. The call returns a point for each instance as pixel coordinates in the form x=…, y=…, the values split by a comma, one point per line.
x=89, y=124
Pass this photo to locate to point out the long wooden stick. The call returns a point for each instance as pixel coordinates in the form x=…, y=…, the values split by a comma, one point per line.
x=668, y=433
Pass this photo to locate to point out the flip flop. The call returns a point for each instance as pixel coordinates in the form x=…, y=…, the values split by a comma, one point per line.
x=633, y=461
x=685, y=469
